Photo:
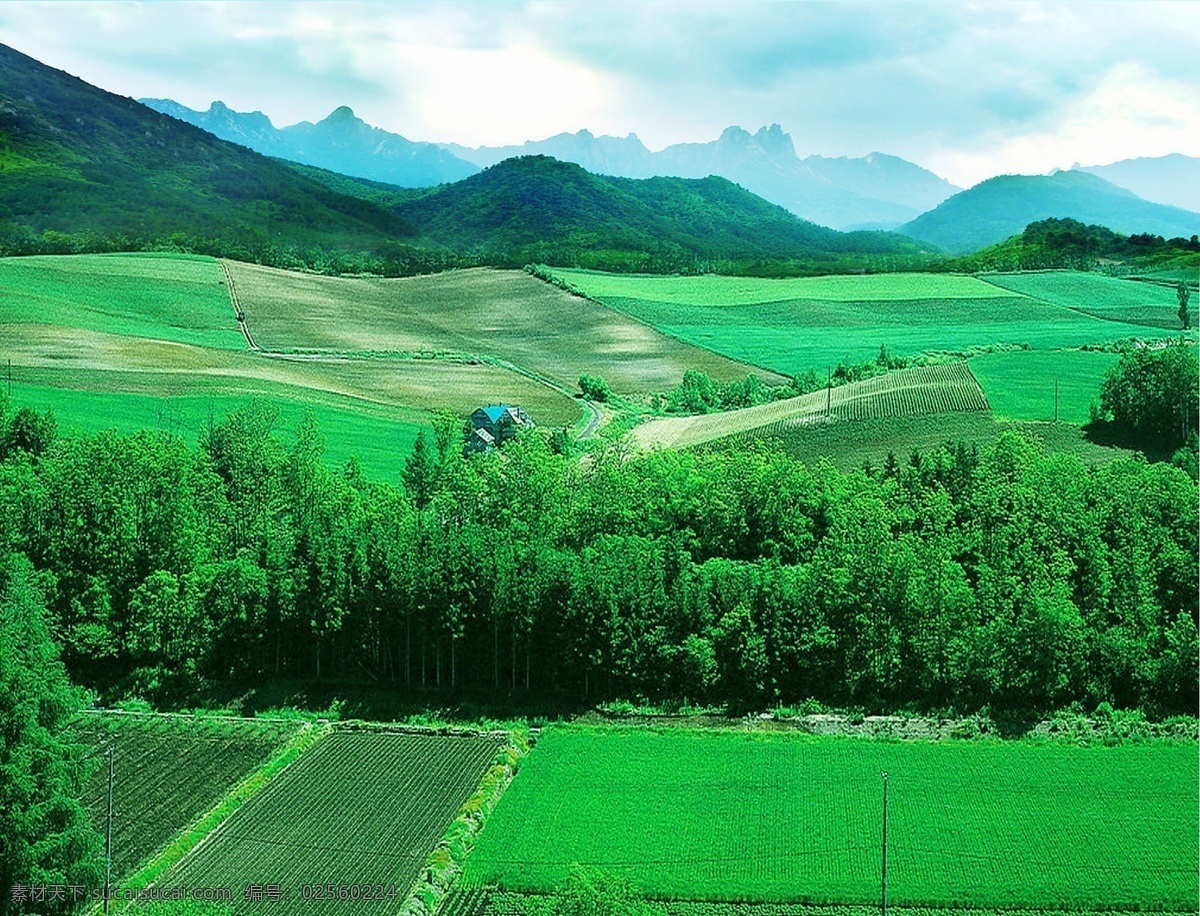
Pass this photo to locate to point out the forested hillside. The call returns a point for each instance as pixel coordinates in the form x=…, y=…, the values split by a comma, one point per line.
x=958, y=579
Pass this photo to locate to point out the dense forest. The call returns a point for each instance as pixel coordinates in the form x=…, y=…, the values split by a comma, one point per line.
x=957, y=579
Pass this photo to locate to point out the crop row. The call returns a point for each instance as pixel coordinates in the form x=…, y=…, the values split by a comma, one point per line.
x=166, y=772
x=362, y=809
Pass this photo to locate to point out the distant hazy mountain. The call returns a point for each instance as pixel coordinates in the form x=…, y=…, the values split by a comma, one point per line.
x=77, y=159
x=342, y=143
x=1173, y=180
x=1000, y=207
x=536, y=208
x=879, y=191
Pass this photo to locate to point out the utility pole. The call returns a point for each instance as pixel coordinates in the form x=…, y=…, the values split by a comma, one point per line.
x=108, y=839
x=828, y=391
x=883, y=872
x=1056, y=400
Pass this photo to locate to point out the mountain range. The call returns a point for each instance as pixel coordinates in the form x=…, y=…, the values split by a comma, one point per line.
x=876, y=191
x=104, y=170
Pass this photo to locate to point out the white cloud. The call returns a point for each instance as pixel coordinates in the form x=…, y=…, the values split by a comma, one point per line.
x=969, y=89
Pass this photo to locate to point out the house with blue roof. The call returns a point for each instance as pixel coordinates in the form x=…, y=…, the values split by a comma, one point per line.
x=489, y=427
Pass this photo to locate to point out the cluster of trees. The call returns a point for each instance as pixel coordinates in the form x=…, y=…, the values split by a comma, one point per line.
x=1151, y=397
x=1002, y=578
x=1071, y=244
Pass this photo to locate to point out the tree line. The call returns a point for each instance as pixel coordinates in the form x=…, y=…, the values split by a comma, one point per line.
x=963, y=579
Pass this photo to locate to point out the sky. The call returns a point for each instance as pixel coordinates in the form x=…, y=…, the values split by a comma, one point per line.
x=967, y=89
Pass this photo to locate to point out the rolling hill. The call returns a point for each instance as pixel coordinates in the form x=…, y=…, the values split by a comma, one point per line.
x=86, y=162
x=998, y=208
x=536, y=208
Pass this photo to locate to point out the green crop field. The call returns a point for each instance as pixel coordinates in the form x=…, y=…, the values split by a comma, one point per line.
x=1151, y=305
x=132, y=341
x=792, y=326
x=774, y=817
x=942, y=388
x=850, y=445
x=167, y=771
x=361, y=809
x=177, y=298
x=1020, y=385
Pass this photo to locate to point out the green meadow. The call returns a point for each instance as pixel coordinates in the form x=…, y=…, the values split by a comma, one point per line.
x=178, y=298
x=1153, y=305
x=379, y=442
x=1020, y=384
x=784, y=817
x=792, y=326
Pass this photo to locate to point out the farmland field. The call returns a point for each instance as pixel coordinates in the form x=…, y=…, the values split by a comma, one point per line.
x=1020, y=384
x=775, y=817
x=361, y=808
x=851, y=445
x=948, y=387
x=792, y=326
x=167, y=772
x=1149, y=304
x=478, y=312
x=178, y=298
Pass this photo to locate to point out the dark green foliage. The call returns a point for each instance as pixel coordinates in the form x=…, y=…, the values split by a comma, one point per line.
x=1069, y=244
x=45, y=838
x=1184, y=295
x=1151, y=395
x=594, y=892
x=537, y=209
x=952, y=578
x=26, y=431
x=594, y=388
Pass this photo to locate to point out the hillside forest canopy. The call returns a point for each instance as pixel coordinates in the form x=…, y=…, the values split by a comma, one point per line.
x=960, y=579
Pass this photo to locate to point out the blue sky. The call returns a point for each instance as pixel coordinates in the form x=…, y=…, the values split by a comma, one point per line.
x=968, y=89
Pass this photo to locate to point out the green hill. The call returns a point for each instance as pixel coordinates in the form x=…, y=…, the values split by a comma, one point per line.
x=78, y=160
x=998, y=208
x=1068, y=243
x=536, y=208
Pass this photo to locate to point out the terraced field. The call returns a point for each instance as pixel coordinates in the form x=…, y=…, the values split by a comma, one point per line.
x=920, y=391
x=362, y=810
x=724, y=816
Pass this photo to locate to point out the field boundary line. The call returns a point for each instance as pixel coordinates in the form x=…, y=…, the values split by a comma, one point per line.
x=196, y=835
x=238, y=313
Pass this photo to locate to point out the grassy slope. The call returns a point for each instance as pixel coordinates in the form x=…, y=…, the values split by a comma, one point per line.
x=729, y=815
x=1148, y=304
x=504, y=314
x=1020, y=385
x=792, y=326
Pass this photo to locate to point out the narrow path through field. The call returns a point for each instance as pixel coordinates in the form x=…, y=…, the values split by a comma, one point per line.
x=237, y=307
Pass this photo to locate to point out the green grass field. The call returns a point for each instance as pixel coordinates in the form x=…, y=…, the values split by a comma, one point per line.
x=167, y=772
x=360, y=809
x=918, y=391
x=1152, y=305
x=792, y=326
x=177, y=297
x=851, y=445
x=1020, y=384
x=381, y=443
x=770, y=816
